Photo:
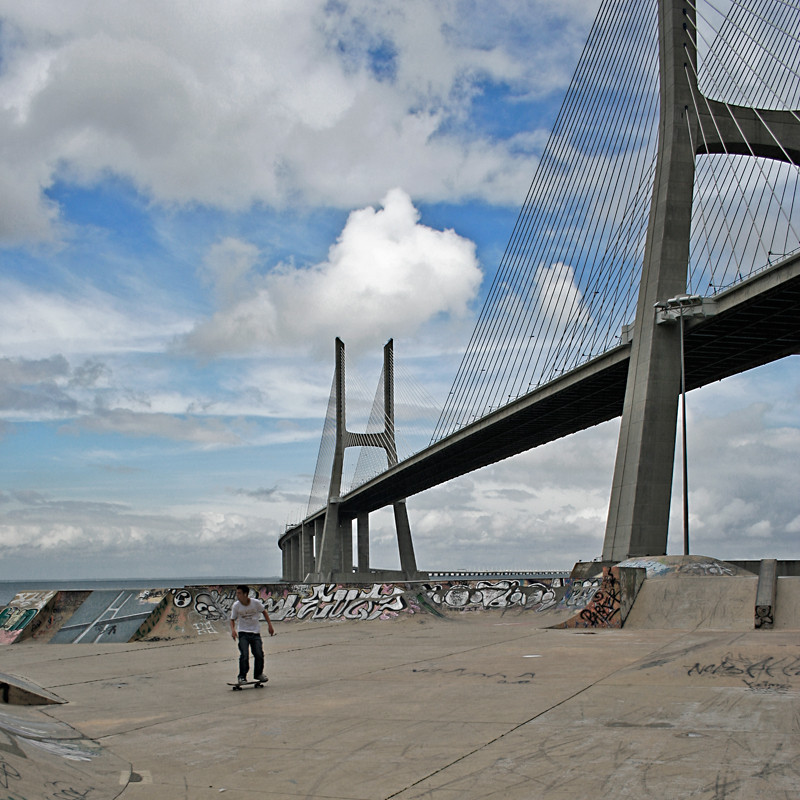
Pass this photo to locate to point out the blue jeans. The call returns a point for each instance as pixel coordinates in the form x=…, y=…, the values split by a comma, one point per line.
x=247, y=642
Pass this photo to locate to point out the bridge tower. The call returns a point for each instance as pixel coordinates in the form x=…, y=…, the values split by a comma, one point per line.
x=334, y=560
x=690, y=125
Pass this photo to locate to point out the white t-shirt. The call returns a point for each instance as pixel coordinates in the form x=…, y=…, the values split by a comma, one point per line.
x=247, y=617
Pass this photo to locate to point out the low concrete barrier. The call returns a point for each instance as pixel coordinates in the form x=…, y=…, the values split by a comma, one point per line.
x=588, y=598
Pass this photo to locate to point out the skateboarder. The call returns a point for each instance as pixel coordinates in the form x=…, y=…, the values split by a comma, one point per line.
x=245, y=616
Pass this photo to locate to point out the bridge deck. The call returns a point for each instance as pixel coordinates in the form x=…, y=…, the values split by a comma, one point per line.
x=757, y=321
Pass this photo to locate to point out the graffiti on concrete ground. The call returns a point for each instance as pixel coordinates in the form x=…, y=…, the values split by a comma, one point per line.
x=502, y=594
x=334, y=601
x=460, y=672
x=773, y=674
x=20, y=612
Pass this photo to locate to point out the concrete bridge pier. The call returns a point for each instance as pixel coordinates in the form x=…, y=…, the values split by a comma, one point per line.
x=689, y=125
x=362, y=538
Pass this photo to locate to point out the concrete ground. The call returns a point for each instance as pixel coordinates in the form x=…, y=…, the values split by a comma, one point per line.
x=484, y=706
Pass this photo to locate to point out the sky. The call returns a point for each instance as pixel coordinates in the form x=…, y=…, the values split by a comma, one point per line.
x=196, y=198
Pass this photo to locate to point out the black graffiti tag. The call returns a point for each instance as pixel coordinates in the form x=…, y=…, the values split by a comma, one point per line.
x=460, y=672
x=68, y=792
x=749, y=669
x=7, y=773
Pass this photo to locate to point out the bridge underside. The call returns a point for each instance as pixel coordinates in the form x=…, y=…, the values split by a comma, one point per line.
x=757, y=322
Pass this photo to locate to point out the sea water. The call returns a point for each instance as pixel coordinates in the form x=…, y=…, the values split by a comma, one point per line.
x=9, y=588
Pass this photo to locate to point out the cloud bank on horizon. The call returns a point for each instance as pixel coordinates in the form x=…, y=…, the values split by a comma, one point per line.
x=197, y=198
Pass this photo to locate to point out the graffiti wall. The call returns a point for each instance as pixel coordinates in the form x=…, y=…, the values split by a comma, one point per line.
x=334, y=602
x=16, y=618
x=503, y=595
x=205, y=611
x=187, y=613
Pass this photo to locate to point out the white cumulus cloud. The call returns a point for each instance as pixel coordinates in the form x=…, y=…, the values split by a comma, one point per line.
x=386, y=274
x=282, y=102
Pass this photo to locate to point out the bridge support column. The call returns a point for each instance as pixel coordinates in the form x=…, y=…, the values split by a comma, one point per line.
x=638, y=516
x=408, y=561
x=293, y=560
x=319, y=526
x=285, y=573
x=306, y=550
x=346, y=547
x=329, y=559
x=362, y=537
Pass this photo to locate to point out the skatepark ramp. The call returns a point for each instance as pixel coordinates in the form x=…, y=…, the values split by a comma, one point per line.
x=693, y=592
x=43, y=758
x=17, y=691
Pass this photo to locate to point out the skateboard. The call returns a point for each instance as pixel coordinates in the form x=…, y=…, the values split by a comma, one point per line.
x=237, y=687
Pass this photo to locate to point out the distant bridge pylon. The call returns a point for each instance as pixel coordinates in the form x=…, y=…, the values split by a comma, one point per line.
x=323, y=550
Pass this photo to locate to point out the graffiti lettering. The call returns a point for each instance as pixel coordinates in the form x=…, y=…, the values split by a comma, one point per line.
x=582, y=593
x=68, y=792
x=333, y=602
x=652, y=567
x=19, y=613
x=7, y=773
x=204, y=628
x=767, y=687
x=487, y=595
x=705, y=568
x=460, y=672
x=751, y=671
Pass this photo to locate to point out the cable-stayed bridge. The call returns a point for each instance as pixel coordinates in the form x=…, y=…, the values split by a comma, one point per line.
x=657, y=248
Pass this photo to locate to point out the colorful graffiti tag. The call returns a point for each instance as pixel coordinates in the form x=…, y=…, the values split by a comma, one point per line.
x=18, y=615
x=603, y=607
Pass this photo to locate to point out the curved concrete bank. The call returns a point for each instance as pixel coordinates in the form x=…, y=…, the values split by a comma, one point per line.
x=43, y=758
